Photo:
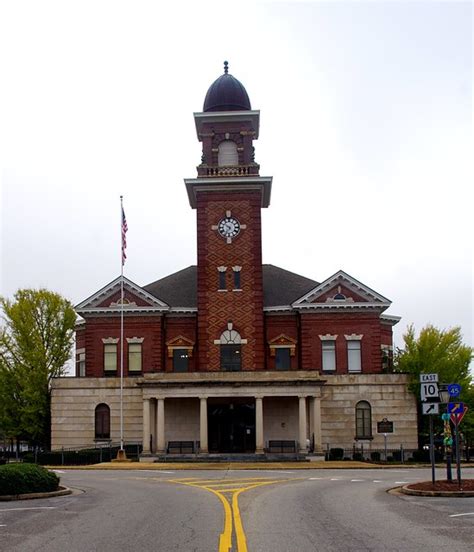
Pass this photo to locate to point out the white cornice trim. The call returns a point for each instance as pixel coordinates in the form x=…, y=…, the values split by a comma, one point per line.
x=116, y=311
x=282, y=308
x=230, y=184
x=343, y=306
x=202, y=117
x=390, y=319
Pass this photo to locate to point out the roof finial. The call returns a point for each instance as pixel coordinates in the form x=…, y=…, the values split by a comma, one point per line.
x=226, y=67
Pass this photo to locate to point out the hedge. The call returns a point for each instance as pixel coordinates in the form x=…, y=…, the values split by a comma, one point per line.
x=19, y=478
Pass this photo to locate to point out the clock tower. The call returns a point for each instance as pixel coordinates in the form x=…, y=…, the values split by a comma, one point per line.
x=228, y=195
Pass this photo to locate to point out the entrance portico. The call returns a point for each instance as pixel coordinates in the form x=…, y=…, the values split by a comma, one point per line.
x=231, y=412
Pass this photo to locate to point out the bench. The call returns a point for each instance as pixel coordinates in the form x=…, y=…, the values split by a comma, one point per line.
x=281, y=446
x=180, y=447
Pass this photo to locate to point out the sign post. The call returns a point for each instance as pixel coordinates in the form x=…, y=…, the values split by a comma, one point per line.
x=430, y=405
x=385, y=426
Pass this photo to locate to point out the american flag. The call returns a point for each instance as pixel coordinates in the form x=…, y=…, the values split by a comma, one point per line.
x=124, y=237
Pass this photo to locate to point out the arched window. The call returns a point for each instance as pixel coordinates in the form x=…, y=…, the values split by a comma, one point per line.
x=363, y=413
x=231, y=354
x=228, y=155
x=102, y=421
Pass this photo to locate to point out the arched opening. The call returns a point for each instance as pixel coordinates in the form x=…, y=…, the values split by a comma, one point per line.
x=102, y=421
x=231, y=354
x=227, y=155
x=363, y=412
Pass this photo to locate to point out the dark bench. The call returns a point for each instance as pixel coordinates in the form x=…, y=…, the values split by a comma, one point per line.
x=282, y=446
x=180, y=447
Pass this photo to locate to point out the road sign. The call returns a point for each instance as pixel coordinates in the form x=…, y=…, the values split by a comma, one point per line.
x=428, y=378
x=429, y=391
x=457, y=418
x=454, y=389
x=430, y=408
x=455, y=408
x=385, y=426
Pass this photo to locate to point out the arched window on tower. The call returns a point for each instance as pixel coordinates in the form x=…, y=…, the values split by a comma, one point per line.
x=231, y=354
x=363, y=413
x=102, y=421
x=228, y=155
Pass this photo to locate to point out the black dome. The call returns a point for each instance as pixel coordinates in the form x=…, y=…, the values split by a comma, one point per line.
x=226, y=94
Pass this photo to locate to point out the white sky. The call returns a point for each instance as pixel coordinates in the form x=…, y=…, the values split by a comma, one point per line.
x=366, y=127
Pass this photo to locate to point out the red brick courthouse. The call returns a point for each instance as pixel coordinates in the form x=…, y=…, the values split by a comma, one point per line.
x=229, y=355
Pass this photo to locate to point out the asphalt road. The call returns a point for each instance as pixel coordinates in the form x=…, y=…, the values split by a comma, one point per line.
x=244, y=511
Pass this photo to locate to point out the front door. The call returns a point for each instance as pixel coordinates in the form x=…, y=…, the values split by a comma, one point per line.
x=231, y=425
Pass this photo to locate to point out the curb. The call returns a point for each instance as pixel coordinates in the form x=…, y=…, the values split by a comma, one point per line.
x=63, y=491
x=454, y=494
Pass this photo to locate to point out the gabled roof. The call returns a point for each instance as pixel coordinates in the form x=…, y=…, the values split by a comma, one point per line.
x=107, y=300
x=329, y=295
x=280, y=287
x=179, y=290
x=282, y=291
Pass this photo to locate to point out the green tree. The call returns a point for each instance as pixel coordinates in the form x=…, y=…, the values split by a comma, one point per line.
x=35, y=343
x=439, y=352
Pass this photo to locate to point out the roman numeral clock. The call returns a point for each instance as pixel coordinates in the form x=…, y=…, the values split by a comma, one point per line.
x=229, y=227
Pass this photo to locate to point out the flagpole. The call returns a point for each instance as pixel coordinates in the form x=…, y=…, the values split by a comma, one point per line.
x=121, y=325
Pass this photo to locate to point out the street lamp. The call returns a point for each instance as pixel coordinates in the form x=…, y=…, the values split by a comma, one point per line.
x=444, y=397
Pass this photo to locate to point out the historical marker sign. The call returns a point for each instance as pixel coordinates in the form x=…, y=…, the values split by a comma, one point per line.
x=385, y=426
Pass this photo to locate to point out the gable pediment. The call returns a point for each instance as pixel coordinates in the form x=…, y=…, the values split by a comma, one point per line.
x=108, y=300
x=342, y=291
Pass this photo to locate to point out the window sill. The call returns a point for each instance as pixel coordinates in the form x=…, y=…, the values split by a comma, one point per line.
x=221, y=290
x=371, y=438
x=238, y=289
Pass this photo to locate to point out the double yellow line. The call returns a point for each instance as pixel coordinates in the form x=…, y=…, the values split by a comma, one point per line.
x=228, y=492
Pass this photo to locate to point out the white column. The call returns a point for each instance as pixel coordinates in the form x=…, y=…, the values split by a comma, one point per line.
x=259, y=440
x=146, y=426
x=203, y=425
x=316, y=415
x=302, y=425
x=160, y=425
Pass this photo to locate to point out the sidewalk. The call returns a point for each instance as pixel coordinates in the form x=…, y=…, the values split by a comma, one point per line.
x=176, y=466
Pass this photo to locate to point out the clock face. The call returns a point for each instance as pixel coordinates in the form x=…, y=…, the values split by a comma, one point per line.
x=228, y=227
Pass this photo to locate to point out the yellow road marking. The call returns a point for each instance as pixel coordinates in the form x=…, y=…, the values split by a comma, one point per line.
x=231, y=512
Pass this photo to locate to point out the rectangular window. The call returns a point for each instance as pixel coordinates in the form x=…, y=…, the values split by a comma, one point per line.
x=282, y=358
x=110, y=358
x=329, y=356
x=363, y=421
x=81, y=365
x=134, y=357
x=237, y=279
x=230, y=358
x=353, y=356
x=222, y=280
x=180, y=360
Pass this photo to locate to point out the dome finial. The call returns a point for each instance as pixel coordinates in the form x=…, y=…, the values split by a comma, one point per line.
x=226, y=67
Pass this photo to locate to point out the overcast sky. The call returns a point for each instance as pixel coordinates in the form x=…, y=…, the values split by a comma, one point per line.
x=366, y=128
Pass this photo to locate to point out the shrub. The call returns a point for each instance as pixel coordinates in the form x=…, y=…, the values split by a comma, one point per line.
x=336, y=454
x=375, y=456
x=357, y=456
x=18, y=479
x=397, y=455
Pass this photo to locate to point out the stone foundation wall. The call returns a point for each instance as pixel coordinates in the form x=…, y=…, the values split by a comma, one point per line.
x=74, y=401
